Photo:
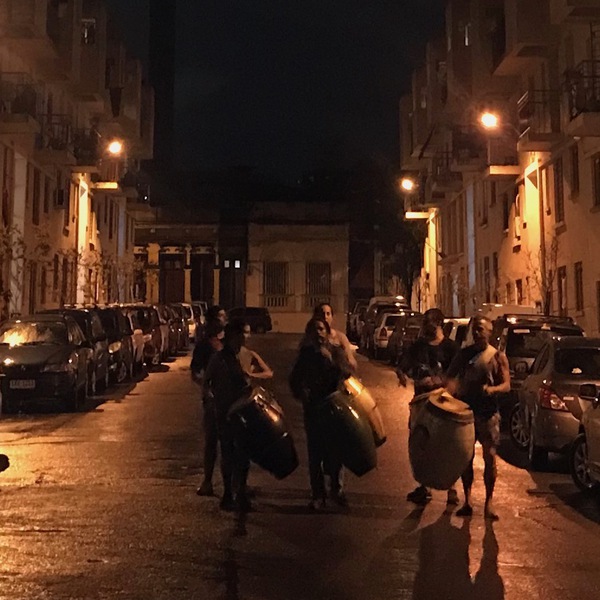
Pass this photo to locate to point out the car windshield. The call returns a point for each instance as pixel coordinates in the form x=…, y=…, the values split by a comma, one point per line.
x=578, y=362
x=108, y=320
x=391, y=321
x=18, y=334
x=526, y=342
x=196, y=311
x=187, y=312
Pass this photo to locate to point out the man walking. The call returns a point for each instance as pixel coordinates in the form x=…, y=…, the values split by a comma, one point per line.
x=478, y=375
x=426, y=362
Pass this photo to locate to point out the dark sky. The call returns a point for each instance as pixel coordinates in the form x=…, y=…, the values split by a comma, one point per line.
x=290, y=86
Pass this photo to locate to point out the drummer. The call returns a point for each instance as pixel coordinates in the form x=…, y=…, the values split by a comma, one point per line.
x=479, y=375
x=317, y=373
x=336, y=337
x=227, y=382
x=252, y=364
x=426, y=362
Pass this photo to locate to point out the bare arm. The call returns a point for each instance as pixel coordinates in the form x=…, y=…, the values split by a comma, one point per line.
x=265, y=371
x=348, y=351
x=504, y=386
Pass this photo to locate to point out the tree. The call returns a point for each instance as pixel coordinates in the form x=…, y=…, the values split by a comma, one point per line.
x=542, y=267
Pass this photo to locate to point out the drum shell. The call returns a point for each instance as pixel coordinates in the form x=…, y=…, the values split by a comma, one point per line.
x=349, y=433
x=440, y=444
x=367, y=405
x=261, y=430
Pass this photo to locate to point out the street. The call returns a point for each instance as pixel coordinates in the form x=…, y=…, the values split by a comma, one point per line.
x=102, y=504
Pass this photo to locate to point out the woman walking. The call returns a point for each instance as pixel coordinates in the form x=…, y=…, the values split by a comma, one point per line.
x=318, y=372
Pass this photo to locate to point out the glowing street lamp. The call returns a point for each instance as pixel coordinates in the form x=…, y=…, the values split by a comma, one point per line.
x=115, y=147
x=408, y=184
x=489, y=120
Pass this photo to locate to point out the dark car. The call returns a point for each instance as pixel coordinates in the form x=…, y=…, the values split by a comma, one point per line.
x=43, y=358
x=181, y=322
x=94, y=333
x=521, y=337
x=257, y=317
x=174, y=338
x=120, y=345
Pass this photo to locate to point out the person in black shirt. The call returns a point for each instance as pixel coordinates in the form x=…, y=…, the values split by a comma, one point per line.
x=210, y=343
x=318, y=372
x=478, y=375
x=426, y=363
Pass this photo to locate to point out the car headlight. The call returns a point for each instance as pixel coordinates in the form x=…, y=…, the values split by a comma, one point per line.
x=114, y=347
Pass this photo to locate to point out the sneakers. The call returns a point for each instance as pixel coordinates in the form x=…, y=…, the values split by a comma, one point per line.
x=420, y=495
x=206, y=489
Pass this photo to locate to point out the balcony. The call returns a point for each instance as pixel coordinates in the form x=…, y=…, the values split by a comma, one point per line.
x=20, y=102
x=574, y=10
x=278, y=302
x=522, y=37
x=539, y=121
x=583, y=90
x=443, y=178
x=86, y=149
x=469, y=152
x=54, y=143
x=503, y=158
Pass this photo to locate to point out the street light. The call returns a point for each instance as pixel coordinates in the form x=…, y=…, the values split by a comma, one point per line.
x=115, y=147
x=408, y=184
x=489, y=120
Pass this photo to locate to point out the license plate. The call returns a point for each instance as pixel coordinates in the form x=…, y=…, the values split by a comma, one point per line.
x=22, y=384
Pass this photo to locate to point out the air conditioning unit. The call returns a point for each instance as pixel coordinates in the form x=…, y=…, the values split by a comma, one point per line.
x=61, y=198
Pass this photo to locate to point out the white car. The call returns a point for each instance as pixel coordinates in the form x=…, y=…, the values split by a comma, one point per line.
x=384, y=328
x=138, y=339
x=456, y=329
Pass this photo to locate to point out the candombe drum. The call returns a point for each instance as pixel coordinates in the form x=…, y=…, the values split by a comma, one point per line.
x=442, y=438
x=349, y=433
x=260, y=428
x=367, y=405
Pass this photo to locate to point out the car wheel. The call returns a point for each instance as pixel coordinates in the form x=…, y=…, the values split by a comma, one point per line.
x=538, y=457
x=73, y=400
x=122, y=372
x=578, y=465
x=518, y=430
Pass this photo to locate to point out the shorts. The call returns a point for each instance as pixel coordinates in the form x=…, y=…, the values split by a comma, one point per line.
x=487, y=430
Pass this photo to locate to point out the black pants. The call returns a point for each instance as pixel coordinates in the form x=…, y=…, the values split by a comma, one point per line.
x=234, y=461
x=211, y=438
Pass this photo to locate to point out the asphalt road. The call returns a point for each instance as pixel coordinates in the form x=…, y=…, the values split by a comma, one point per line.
x=102, y=504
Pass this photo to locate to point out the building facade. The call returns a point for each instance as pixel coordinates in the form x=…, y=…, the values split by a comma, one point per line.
x=68, y=89
x=501, y=132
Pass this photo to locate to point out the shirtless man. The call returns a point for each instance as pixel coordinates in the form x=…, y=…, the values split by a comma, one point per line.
x=336, y=338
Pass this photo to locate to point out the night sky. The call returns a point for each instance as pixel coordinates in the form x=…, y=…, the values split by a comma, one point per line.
x=290, y=86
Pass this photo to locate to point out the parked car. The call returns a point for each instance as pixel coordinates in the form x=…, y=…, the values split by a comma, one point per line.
x=165, y=330
x=384, y=328
x=148, y=320
x=44, y=358
x=368, y=328
x=89, y=322
x=406, y=330
x=176, y=332
x=182, y=328
x=521, y=337
x=456, y=329
x=584, y=455
x=120, y=345
x=138, y=339
x=258, y=318
x=359, y=310
x=549, y=405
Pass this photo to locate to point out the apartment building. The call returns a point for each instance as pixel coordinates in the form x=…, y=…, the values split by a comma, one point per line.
x=501, y=133
x=68, y=90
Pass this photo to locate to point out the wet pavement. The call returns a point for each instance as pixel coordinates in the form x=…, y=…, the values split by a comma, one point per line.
x=102, y=504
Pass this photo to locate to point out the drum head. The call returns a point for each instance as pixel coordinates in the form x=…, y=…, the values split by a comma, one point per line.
x=447, y=406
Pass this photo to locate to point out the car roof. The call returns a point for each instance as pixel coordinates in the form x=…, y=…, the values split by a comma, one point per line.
x=514, y=318
x=575, y=341
x=56, y=317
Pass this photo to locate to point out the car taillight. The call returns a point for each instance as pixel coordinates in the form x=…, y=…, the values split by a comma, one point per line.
x=548, y=398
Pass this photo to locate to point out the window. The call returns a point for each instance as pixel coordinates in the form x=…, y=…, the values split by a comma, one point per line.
x=43, y=284
x=562, y=291
x=226, y=264
x=484, y=210
x=318, y=279
x=519, y=286
x=509, y=293
x=47, y=195
x=596, y=174
x=579, y=286
x=111, y=219
x=105, y=210
x=493, y=192
x=35, y=197
x=88, y=32
x=237, y=264
x=67, y=214
x=276, y=279
x=55, y=267
x=559, y=197
x=574, y=155
x=496, y=275
x=505, y=211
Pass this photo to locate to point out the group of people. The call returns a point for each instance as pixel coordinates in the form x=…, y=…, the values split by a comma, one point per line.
x=226, y=369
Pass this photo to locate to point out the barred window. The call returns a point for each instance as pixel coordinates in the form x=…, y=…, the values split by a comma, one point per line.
x=318, y=278
x=275, y=281
x=579, y=286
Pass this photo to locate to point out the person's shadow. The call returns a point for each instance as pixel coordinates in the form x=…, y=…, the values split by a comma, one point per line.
x=443, y=571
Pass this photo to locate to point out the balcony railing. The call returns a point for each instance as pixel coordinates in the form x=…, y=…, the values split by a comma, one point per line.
x=86, y=146
x=276, y=300
x=311, y=300
x=468, y=148
x=539, y=112
x=19, y=95
x=583, y=88
x=56, y=133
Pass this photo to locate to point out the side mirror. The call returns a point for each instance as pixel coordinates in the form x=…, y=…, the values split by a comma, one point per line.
x=521, y=369
x=588, y=391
